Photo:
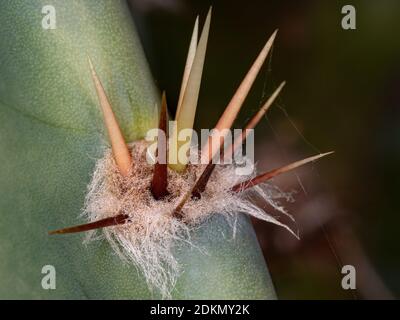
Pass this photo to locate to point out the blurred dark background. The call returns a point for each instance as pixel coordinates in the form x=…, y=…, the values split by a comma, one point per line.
x=342, y=94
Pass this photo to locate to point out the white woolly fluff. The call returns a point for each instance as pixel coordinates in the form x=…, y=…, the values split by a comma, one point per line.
x=148, y=240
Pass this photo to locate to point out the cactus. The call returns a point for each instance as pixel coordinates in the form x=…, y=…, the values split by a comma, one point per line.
x=52, y=82
x=51, y=132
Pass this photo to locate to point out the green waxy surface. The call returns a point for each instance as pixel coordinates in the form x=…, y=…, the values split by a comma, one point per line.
x=51, y=132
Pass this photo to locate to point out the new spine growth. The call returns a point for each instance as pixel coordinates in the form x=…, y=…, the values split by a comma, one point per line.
x=189, y=97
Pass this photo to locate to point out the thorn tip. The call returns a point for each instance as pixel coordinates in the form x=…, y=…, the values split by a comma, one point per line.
x=234, y=106
x=103, y=223
x=273, y=173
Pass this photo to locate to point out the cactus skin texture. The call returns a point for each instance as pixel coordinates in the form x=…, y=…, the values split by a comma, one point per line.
x=50, y=135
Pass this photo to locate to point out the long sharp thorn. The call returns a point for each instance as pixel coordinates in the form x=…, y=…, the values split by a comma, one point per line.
x=233, y=108
x=107, y=222
x=120, y=150
x=159, y=184
x=187, y=111
x=189, y=64
x=254, y=121
x=271, y=174
x=205, y=177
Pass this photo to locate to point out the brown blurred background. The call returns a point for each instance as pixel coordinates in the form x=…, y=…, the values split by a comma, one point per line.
x=343, y=94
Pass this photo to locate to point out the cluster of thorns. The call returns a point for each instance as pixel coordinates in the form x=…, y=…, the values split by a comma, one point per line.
x=185, y=118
